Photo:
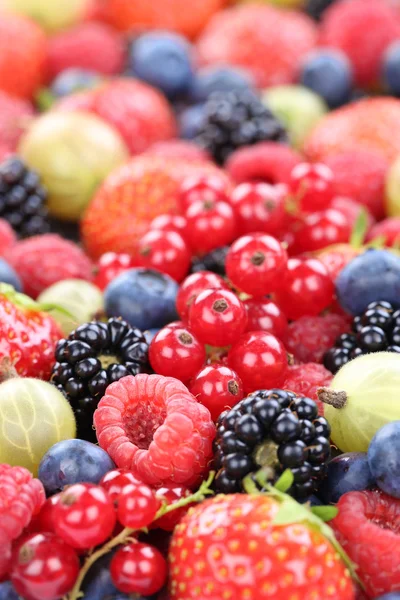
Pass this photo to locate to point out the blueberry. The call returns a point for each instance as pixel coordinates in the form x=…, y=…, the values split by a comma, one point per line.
x=8, y=275
x=374, y=275
x=384, y=458
x=72, y=461
x=346, y=473
x=143, y=297
x=391, y=69
x=164, y=60
x=389, y=596
x=328, y=73
x=74, y=80
x=7, y=591
x=219, y=79
x=191, y=120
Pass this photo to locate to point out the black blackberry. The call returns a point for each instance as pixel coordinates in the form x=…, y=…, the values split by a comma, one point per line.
x=376, y=330
x=213, y=261
x=316, y=8
x=235, y=119
x=276, y=430
x=93, y=356
x=22, y=198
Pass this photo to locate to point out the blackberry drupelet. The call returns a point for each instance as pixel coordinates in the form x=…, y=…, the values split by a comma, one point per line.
x=376, y=330
x=316, y=8
x=93, y=356
x=213, y=261
x=235, y=119
x=22, y=198
x=274, y=430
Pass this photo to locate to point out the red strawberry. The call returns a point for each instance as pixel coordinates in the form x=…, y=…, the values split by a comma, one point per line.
x=91, y=46
x=28, y=337
x=132, y=196
x=363, y=29
x=369, y=124
x=336, y=257
x=229, y=548
x=269, y=42
x=140, y=113
x=15, y=114
x=23, y=50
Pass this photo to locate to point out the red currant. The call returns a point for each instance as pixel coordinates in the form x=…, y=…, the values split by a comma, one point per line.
x=176, y=353
x=265, y=315
x=170, y=494
x=137, y=506
x=138, y=568
x=170, y=223
x=307, y=288
x=210, y=224
x=259, y=207
x=165, y=251
x=204, y=188
x=322, y=229
x=85, y=516
x=218, y=388
x=44, y=521
x=44, y=567
x=111, y=265
x=114, y=482
x=217, y=317
x=256, y=263
x=192, y=286
x=260, y=360
x=312, y=186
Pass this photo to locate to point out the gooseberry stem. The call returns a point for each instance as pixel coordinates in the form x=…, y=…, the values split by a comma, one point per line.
x=336, y=398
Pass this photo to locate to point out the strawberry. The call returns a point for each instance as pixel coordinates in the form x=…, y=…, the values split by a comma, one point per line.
x=23, y=50
x=132, y=196
x=269, y=42
x=28, y=336
x=140, y=113
x=15, y=114
x=248, y=547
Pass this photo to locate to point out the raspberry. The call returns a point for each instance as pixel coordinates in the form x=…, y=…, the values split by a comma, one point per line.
x=7, y=236
x=154, y=427
x=266, y=161
x=21, y=498
x=304, y=380
x=43, y=260
x=310, y=337
x=368, y=527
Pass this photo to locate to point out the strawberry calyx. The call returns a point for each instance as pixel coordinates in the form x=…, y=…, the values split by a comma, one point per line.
x=25, y=302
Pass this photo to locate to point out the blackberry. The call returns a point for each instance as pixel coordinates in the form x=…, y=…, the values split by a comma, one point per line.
x=22, y=198
x=93, y=356
x=235, y=119
x=274, y=430
x=213, y=261
x=316, y=8
x=376, y=330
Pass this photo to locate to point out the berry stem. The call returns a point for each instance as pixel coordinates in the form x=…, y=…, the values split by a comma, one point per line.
x=336, y=398
x=127, y=533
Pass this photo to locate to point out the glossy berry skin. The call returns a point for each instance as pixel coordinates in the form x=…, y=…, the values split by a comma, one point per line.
x=203, y=188
x=170, y=223
x=137, y=506
x=44, y=567
x=85, y=516
x=115, y=481
x=259, y=207
x=217, y=317
x=176, y=353
x=260, y=360
x=110, y=265
x=44, y=521
x=210, y=224
x=265, y=315
x=138, y=568
x=193, y=286
x=384, y=458
x=165, y=251
x=306, y=289
x=312, y=186
x=322, y=229
x=217, y=387
x=348, y=472
x=170, y=494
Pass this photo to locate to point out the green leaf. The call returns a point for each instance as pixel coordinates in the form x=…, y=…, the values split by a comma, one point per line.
x=44, y=99
x=359, y=230
x=325, y=513
x=285, y=481
x=377, y=243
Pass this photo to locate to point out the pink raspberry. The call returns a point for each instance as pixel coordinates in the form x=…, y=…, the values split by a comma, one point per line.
x=310, y=337
x=153, y=426
x=7, y=236
x=304, y=380
x=21, y=498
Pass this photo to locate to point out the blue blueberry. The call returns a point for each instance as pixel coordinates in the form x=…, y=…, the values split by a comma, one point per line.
x=346, y=473
x=329, y=74
x=73, y=461
x=143, y=297
x=389, y=596
x=7, y=591
x=374, y=275
x=384, y=458
x=8, y=275
x=190, y=121
x=74, y=80
x=219, y=79
x=164, y=60
x=391, y=69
